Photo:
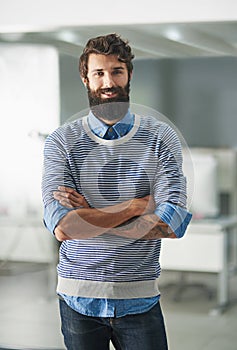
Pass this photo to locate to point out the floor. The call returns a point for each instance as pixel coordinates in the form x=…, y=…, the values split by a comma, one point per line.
x=29, y=317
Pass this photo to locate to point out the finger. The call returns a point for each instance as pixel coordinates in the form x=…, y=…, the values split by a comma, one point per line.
x=67, y=189
x=73, y=195
x=68, y=192
x=64, y=194
x=76, y=198
x=70, y=204
x=69, y=200
x=60, y=195
x=65, y=203
x=75, y=203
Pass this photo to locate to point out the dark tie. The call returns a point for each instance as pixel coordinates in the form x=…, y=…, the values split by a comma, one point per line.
x=110, y=134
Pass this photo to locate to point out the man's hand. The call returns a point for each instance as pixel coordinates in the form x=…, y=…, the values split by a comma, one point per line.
x=70, y=198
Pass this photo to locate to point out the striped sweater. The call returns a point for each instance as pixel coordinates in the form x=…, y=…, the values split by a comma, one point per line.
x=148, y=160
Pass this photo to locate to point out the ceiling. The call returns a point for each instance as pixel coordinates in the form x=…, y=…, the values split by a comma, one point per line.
x=178, y=40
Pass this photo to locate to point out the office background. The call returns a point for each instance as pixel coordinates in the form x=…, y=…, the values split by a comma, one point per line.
x=188, y=74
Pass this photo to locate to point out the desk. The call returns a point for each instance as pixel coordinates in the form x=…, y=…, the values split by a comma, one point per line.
x=25, y=240
x=28, y=241
x=208, y=246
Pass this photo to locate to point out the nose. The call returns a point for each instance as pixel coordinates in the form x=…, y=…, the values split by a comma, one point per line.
x=108, y=81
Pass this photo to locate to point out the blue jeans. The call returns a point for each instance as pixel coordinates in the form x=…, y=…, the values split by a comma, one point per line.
x=144, y=331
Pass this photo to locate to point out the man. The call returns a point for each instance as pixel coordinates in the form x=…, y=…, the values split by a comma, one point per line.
x=113, y=187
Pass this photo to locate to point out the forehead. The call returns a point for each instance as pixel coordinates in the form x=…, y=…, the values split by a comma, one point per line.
x=104, y=62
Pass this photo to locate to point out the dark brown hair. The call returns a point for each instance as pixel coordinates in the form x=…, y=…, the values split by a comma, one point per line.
x=110, y=44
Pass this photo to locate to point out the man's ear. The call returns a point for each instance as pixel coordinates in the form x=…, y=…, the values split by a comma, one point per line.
x=84, y=81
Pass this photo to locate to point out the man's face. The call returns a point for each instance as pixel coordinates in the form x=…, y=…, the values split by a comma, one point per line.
x=108, y=87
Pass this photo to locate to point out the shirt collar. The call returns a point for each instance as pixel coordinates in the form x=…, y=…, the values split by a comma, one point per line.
x=122, y=127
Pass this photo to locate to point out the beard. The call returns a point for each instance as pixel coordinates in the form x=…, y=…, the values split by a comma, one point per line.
x=109, y=108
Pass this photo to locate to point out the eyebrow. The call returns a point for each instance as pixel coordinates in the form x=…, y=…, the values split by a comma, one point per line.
x=114, y=68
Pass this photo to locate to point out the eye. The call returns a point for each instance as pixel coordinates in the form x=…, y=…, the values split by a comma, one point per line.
x=98, y=74
x=117, y=72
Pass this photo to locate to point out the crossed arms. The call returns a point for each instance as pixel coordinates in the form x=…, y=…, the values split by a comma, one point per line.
x=133, y=219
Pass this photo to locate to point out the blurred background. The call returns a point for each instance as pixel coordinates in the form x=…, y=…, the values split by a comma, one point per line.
x=185, y=67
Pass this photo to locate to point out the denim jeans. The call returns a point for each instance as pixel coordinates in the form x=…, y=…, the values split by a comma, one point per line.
x=144, y=331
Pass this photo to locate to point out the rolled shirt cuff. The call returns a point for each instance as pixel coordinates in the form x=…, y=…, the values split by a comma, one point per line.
x=53, y=213
x=175, y=216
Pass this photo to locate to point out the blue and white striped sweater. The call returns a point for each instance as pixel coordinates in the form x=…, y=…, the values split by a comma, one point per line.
x=106, y=172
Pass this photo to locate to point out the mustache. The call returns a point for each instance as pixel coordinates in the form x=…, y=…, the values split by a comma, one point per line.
x=112, y=90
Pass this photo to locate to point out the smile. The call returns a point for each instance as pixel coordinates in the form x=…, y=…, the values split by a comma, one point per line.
x=109, y=94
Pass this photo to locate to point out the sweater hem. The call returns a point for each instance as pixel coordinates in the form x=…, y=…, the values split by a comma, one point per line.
x=108, y=290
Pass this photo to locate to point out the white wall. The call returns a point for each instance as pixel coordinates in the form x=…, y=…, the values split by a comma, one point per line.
x=27, y=15
x=29, y=90
x=29, y=109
